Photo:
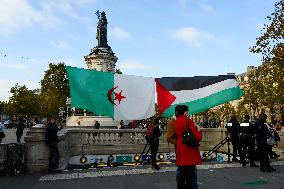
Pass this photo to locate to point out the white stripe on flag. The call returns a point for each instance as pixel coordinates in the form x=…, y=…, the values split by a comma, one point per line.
x=190, y=95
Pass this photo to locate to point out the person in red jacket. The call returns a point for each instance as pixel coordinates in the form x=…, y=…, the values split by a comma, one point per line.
x=186, y=157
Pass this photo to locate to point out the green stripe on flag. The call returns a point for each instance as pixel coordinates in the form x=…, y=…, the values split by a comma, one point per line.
x=89, y=89
x=208, y=102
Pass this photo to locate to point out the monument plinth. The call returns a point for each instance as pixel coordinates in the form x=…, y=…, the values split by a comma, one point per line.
x=101, y=59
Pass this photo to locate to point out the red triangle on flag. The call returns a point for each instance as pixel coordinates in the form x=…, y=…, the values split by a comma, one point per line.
x=164, y=97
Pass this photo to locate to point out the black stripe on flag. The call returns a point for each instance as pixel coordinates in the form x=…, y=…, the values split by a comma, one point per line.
x=190, y=83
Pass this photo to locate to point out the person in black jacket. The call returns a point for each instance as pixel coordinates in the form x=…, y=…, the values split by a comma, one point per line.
x=153, y=140
x=234, y=135
x=97, y=125
x=262, y=135
x=51, y=140
x=247, y=142
x=20, y=129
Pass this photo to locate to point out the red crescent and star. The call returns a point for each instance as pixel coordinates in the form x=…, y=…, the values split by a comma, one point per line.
x=117, y=96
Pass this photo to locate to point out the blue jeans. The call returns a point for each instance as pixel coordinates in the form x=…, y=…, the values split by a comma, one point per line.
x=187, y=177
x=177, y=176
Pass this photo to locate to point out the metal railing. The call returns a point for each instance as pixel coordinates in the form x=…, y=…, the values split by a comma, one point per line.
x=217, y=147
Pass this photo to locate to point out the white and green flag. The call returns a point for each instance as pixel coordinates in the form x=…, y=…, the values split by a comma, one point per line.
x=119, y=96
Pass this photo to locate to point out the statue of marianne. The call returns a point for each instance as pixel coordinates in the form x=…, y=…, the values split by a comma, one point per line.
x=102, y=30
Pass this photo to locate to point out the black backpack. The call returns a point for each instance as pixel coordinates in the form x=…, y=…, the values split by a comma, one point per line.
x=188, y=138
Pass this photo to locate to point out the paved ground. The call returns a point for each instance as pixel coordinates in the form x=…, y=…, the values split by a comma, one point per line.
x=213, y=176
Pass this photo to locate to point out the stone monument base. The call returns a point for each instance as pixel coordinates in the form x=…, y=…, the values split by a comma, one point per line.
x=87, y=121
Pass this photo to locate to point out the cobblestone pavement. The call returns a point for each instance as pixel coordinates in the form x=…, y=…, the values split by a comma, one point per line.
x=213, y=176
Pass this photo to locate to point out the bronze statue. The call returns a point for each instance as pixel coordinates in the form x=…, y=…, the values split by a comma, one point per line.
x=102, y=29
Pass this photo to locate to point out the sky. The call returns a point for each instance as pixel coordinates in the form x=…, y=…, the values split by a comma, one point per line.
x=153, y=38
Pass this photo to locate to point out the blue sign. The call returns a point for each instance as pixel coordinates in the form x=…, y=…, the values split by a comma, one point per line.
x=220, y=157
x=146, y=157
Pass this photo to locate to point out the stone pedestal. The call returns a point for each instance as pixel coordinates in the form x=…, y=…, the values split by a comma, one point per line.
x=101, y=59
x=37, y=152
x=89, y=121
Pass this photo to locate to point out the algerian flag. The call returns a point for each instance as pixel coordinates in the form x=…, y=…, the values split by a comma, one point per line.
x=199, y=93
x=119, y=96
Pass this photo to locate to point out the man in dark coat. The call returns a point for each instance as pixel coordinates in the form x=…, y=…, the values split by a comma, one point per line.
x=262, y=135
x=247, y=142
x=234, y=134
x=51, y=140
x=97, y=125
x=20, y=129
x=153, y=141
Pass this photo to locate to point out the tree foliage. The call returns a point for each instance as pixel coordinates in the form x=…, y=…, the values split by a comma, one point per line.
x=2, y=107
x=55, y=77
x=224, y=111
x=267, y=81
x=271, y=39
x=22, y=102
x=55, y=90
x=51, y=101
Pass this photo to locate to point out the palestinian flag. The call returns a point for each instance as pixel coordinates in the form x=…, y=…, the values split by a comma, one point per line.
x=119, y=96
x=199, y=93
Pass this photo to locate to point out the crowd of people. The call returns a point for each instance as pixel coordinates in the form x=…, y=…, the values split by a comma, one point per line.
x=254, y=140
x=141, y=124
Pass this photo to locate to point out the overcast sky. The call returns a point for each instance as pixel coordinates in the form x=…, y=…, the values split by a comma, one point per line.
x=150, y=37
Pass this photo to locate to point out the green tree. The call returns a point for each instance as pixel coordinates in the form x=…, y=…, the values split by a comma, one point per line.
x=267, y=82
x=224, y=111
x=55, y=76
x=272, y=38
x=266, y=86
x=51, y=101
x=2, y=108
x=22, y=102
x=55, y=90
